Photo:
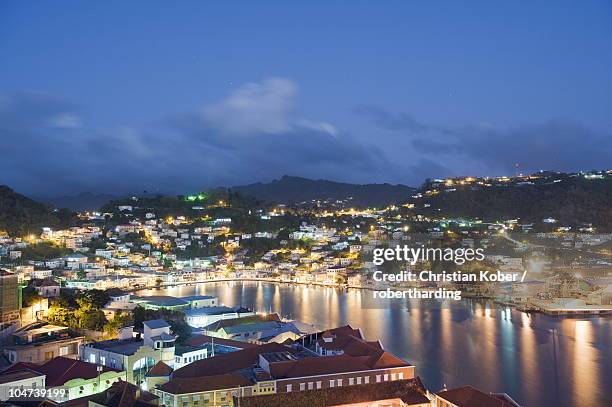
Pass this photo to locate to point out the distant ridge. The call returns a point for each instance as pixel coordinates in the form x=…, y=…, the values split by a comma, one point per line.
x=290, y=189
x=85, y=201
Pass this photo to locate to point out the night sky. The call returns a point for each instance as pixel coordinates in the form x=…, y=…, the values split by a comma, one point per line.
x=118, y=96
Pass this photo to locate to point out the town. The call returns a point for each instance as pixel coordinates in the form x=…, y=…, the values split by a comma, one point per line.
x=79, y=309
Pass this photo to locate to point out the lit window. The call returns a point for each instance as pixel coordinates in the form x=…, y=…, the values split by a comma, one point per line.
x=386, y=377
x=392, y=376
x=366, y=379
x=302, y=386
x=318, y=385
x=378, y=378
x=339, y=382
x=310, y=385
x=351, y=381
x=332, y=383
x=400, y=375
x=359, y=380
x=288, y=388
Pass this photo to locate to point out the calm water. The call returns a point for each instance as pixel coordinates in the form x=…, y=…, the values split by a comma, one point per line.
x=538, y=360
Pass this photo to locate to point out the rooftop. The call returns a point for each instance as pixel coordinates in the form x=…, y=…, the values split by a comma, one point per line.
x=60, y=370
x=469, y=396
x=190, y=385
x=9, y=376
x=121, y=346
x=162, y=301
x=411, y=392
x=156, y=324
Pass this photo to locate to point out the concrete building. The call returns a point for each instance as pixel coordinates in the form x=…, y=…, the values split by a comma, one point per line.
x=22, y=379
x=134, y=354
x=78, y=378
x=42, y=343
x=9, y=297
x=274, y=368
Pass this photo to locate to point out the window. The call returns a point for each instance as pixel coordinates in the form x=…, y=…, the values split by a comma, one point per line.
x=351, y=381
x=318, y=385
x=392, y=376
x=386, y=377
x=339, y=382
x=63, y=351
x=359, y=380
x=377, y=378
x=366, y=379
x=49, y=355
x=92, y=358
x=302, y=386
x=400, y=375
x=288, y=388
x=332, y=383
x=103, y=360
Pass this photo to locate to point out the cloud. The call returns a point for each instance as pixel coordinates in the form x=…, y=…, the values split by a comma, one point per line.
x=254, y=134
x=254, y=108
x=554, y=144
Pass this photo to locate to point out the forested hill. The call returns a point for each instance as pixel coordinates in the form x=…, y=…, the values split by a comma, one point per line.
x=296, y=189
x=571, y=201
x=20, y=215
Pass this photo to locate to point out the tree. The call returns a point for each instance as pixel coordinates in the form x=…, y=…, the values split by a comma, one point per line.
x=120, y=320
x=30, y=296
x=88, y=315
x=98, y=298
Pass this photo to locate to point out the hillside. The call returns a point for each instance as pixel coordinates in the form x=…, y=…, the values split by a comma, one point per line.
x=572, y=202
x=296, y=189
x=20, y=215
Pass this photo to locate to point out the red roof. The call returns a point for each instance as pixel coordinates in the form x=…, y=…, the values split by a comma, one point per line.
x=469, y=396
x=227, y=362
x=193, y=385
x=160, y=369
x=313, y=366
x=59, y=370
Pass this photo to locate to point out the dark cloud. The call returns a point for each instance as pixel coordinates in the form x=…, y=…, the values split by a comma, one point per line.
x=554, y=144
x=250, y=136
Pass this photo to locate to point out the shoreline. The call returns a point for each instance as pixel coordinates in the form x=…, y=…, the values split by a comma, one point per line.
x=569, y=313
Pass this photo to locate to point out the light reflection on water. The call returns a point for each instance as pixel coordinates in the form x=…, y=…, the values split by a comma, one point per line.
x=538, y=360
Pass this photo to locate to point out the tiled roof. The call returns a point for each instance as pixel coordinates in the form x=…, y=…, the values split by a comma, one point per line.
x=192, y=385
x=227, y=362
x=411, y=392
x=312, y=366
x=469, y=396
x=160, y=369
x=60, y=369
x=124, y=394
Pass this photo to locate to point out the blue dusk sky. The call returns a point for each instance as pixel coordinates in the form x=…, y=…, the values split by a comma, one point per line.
x=126, y=96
